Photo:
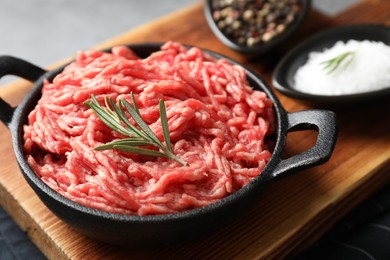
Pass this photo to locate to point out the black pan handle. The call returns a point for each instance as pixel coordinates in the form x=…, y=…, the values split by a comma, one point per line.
x=14, y=66
x=322, y=121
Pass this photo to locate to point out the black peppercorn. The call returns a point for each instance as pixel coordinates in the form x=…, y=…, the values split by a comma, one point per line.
x=251, y=22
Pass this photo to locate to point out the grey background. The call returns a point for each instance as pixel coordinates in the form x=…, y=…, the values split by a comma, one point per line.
x=45, y=31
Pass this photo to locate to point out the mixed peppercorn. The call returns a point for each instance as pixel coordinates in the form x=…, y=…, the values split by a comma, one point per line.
x=251, y=22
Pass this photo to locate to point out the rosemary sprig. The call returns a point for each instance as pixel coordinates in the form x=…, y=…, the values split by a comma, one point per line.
x=114, y=116
x=332, y=64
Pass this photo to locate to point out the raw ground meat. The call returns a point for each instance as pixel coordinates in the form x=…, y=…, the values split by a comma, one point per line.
x=217, y=124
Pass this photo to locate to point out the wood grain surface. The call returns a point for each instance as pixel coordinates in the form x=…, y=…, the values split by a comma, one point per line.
x=292, y=212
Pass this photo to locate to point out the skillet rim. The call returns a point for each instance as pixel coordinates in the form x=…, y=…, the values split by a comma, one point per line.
x=29, y=102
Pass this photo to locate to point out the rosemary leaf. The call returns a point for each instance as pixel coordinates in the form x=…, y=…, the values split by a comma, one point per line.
x=175, y=158
x=127, y=141
x=332, y=64
x=134, y=103
x=164, y=125
x=109, y=110
x=122, y=116
x=114, y=116
x=107, y=118
x=141, y=123
x=139, y=150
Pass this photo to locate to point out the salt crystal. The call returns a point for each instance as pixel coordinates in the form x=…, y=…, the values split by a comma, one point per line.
x=367, y=70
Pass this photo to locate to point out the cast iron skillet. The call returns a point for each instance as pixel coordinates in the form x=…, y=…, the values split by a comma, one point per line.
x=172, y=228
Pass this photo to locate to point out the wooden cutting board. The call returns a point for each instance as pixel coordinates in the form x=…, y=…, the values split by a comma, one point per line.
x=292, y=213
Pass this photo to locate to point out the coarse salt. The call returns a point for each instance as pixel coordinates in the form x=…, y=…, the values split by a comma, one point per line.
x=367, y=70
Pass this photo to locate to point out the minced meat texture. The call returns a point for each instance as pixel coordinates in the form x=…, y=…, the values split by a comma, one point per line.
x=217, y=123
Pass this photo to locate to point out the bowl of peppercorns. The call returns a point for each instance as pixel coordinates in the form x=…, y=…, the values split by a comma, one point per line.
x=255, y=26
